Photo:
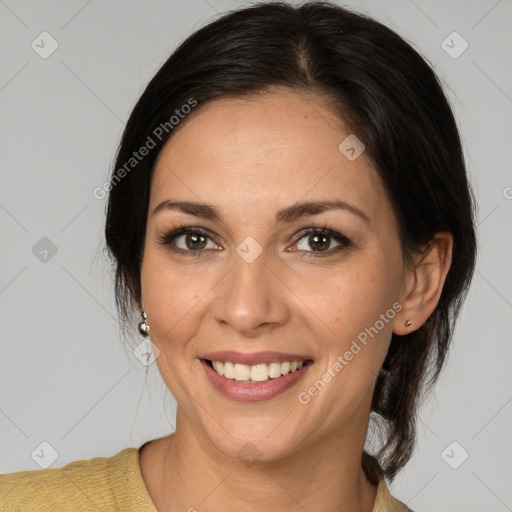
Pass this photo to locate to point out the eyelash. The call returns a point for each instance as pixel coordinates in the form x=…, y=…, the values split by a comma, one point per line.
x=344, y=242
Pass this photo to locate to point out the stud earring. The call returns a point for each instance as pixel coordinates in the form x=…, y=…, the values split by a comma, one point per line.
x=408, y=323
x=143, y=326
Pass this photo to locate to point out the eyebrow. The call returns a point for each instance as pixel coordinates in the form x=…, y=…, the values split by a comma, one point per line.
x=288, y=214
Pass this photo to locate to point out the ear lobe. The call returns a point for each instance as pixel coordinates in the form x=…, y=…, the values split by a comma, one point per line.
x=424, y=284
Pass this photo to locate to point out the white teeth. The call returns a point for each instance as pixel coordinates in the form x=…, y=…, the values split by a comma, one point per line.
x=274, y=370
x=242, y=372
x=259, y=372
x=255, y=373
x=229, y=370
x=219, y=367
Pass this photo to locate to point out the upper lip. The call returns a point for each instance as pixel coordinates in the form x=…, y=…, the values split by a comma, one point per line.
x=253, y=358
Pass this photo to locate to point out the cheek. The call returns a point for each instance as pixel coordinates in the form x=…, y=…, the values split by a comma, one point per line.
x=349, y=298
x=173, y=295
x=356, y=304
x=356, y=308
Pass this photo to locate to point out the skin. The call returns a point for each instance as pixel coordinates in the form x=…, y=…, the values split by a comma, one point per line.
x=250, y=158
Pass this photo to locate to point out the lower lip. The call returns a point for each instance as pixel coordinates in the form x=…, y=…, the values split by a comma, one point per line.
x=248, y=392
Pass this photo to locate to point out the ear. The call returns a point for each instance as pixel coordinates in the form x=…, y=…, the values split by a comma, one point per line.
x=424, y=283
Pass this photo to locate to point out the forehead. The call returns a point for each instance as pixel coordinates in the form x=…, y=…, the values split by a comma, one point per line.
x=269, y=149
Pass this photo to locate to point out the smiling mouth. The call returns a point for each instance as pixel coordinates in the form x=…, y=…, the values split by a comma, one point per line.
x=257, y=373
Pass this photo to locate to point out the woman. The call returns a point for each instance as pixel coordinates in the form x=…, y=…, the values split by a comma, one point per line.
x=290, y=213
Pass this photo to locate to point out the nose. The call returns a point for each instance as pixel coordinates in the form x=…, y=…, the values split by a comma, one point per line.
x=250, y=299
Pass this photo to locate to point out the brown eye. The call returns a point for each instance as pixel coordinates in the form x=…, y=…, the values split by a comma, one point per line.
x=319, y=242
x=195, y=241
x=189, y=240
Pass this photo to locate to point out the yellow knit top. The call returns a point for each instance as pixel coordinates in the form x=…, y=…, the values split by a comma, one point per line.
x=103, y=484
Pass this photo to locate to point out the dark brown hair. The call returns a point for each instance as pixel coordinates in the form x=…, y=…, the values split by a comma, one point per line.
x=388, y=96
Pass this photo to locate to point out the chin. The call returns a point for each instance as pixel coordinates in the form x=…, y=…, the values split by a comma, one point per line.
x=250, y=443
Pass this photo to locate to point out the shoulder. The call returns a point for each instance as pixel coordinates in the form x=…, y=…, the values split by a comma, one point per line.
x=385, y=502
x=80, y=485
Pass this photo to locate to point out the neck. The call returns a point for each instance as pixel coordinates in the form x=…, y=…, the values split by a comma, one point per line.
x=194, y=475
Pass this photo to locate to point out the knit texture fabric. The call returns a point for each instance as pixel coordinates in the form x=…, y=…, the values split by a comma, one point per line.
x=103, y=484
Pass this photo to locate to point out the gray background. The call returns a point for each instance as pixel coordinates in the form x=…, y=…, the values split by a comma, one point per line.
x=67, y=378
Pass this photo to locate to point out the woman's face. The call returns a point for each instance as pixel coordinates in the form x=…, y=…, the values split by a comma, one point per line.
x=261, y=285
